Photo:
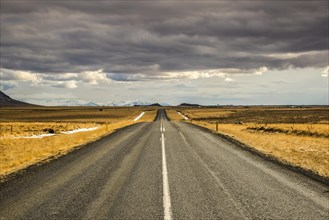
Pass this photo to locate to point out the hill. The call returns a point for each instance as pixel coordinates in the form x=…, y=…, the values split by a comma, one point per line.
x=6, y=100
x=189, y=105
x=155, y=104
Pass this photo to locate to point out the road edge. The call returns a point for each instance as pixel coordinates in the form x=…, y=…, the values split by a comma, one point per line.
x=267, y=157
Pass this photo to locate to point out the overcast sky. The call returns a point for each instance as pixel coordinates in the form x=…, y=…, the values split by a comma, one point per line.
x=207, y=52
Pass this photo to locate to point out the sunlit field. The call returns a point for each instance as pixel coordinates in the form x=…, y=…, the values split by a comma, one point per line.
x=32, y=135
x=296, y=136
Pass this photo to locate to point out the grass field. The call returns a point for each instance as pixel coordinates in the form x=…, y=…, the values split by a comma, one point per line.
x=70, y=114
x=16, y=124
x=260, y=115
x=298, y=137
x=173, y=115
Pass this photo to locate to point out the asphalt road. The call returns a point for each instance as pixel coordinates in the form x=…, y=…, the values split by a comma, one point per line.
x=162, y=170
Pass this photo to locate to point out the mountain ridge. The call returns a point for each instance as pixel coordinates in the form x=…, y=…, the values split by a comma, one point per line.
x=6, y=100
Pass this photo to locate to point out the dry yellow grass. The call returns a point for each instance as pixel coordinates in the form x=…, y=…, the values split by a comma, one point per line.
x=310, y=153
x=206, y=112
x=18, y=153
x=149, y=116
x=71, y=114
x=173, y=115
x=322, y=129
x=313, y=130
x=258, y=114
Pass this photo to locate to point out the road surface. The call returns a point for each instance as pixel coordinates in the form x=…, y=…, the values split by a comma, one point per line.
x=162, y=170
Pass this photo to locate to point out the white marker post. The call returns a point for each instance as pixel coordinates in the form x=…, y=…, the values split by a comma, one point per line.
x=183, y=116
x=139, y=116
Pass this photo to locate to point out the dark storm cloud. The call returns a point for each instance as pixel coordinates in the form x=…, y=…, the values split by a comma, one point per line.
x=151, y=38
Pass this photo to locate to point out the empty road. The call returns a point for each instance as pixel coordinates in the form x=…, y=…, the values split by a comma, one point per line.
x=162, y=170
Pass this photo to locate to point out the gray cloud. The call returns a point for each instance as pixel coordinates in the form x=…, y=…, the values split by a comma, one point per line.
x=58, y=80
x=7, y=85
x=133, y=41
x=67, y=84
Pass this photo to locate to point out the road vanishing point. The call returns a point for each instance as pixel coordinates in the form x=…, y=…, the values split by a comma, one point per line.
x=162, y=170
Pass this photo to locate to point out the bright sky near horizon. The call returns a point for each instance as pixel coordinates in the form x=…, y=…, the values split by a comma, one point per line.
x=206, y=52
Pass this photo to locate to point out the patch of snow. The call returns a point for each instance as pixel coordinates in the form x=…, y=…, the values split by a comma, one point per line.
x=36, y=136
x=64, y=132
x=79, y=130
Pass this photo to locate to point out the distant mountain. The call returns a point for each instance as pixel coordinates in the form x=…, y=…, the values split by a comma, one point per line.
x=128, y=103
x=135, y=103
x=189, y=105
x=5, y=100
x=90, y=104
x=138, y=103
x=155, y=104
